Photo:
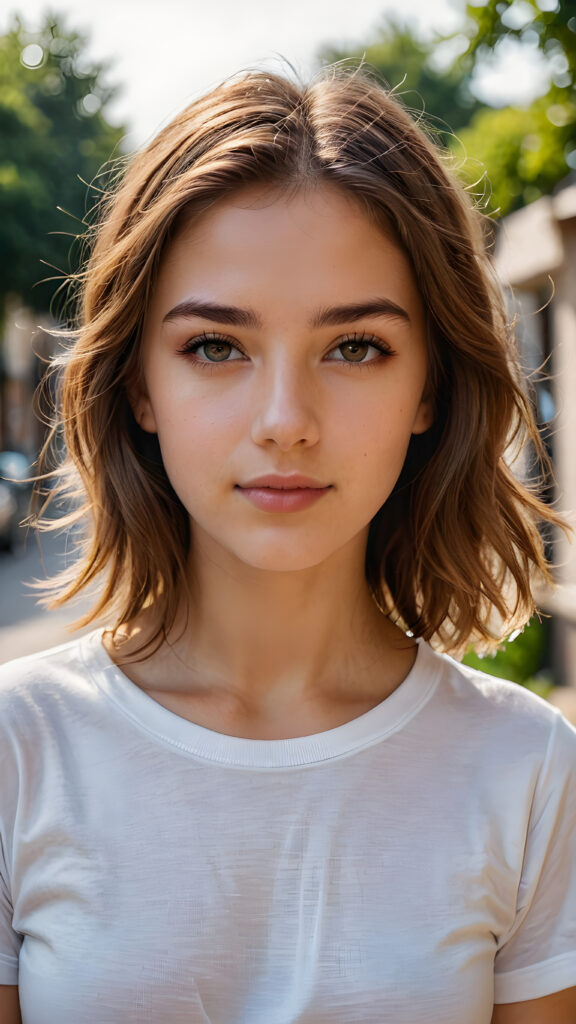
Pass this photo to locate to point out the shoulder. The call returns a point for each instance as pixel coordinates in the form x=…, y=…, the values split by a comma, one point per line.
x=488, y=693
x=495, y=712
x=45, y=677
x=46, y=701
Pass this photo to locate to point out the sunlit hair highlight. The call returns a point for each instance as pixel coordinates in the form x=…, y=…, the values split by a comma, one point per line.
x=454, y=553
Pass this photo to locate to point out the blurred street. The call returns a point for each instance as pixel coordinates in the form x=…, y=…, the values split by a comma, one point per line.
x=26, y=627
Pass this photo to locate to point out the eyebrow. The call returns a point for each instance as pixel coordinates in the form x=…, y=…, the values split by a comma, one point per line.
x=334, y=315
x=330, y=316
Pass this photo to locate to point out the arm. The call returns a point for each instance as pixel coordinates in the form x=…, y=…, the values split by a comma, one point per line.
x=9, y=1005
x=559, y=1008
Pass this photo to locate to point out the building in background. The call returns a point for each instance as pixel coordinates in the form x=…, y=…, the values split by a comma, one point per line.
x=535, y=255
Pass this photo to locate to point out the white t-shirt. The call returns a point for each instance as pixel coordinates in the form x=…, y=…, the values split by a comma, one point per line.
x=410, y=866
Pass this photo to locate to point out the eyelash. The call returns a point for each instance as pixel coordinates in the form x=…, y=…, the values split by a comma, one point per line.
x=191, y=346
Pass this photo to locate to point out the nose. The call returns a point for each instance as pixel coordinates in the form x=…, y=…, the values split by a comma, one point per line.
x=285, y=409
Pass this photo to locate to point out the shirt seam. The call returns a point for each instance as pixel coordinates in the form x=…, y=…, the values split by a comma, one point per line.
x=183, y=748
x=537, y=974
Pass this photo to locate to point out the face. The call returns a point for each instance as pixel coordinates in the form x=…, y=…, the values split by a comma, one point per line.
x=284, y=371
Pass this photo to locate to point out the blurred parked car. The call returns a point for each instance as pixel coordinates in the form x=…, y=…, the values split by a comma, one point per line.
x=15, y=490
x=8, y=517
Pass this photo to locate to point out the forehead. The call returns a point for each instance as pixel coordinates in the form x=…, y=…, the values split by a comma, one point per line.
x=304, y=247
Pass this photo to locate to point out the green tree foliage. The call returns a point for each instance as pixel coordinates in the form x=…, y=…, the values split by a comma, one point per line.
x=525, y=151
x=513, y=154
x=54, y=137
x=405, y=62
x=548, y=24
x=522, y=660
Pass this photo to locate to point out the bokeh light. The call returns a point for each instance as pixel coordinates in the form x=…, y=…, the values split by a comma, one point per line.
x=32, y=56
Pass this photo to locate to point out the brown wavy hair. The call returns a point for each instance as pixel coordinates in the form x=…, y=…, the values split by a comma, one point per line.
x=454, y=552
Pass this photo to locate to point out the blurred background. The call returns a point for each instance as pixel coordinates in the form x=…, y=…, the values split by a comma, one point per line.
x=81, y=86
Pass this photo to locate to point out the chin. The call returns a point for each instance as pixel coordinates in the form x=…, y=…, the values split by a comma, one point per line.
x=281, y=556
x=281, y=561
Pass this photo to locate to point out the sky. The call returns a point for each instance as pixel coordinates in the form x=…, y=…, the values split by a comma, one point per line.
x=165, y=53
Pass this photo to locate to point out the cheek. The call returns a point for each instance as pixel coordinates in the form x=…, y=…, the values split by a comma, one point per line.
x=186, y=418
x=376, y=444
x=196, y=438
x=378, y=432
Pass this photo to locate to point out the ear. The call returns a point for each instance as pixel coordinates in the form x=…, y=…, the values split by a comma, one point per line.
x=142, y=409
x=425, y=415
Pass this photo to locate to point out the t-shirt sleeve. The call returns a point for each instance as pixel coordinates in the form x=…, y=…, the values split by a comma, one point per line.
x=537, y=956
x=10, y=941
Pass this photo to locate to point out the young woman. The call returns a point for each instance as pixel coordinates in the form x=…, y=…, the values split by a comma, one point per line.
x=261, y=796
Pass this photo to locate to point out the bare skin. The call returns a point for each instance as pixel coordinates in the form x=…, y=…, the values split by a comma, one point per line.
x=559, y=1008
x=9, y=1005
x=229, y=673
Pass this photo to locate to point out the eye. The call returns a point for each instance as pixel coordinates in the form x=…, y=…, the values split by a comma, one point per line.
x=359, y=348
x=211, y=348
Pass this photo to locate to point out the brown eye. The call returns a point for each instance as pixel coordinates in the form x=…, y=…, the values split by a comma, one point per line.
x=211, y=349
x=354, y=351
x=359, y=349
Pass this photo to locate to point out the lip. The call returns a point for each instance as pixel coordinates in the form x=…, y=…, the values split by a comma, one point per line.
x=277, y=493
x=279, y=482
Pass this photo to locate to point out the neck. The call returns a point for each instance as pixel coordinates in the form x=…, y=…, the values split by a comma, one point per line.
x=265, y=640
